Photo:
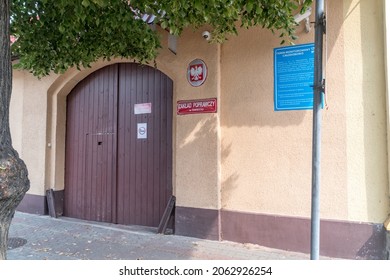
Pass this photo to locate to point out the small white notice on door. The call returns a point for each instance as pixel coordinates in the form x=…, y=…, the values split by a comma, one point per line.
x=142, y=108
x=142, y=130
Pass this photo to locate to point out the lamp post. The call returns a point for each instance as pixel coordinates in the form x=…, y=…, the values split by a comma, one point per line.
x=319, y=87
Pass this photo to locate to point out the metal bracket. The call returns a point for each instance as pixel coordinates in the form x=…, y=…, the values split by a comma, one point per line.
x=168, y=215
x=320, y=87
x=51, y=203
x=323, y=22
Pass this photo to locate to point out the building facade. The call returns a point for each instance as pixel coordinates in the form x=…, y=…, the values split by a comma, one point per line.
x=115, y=141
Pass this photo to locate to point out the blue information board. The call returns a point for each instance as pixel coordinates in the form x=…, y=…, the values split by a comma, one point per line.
x=294, y=77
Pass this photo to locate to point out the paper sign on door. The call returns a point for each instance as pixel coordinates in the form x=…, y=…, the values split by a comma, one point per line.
x=142, y=108
x=142, y=130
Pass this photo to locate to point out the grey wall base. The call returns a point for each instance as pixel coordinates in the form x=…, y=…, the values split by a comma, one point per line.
x=387, y=245
x=37, y=204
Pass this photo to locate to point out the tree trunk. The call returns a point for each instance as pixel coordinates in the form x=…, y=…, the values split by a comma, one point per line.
x=14, y=181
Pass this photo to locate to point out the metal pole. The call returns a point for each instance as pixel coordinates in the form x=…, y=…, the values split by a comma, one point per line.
x=316, y=156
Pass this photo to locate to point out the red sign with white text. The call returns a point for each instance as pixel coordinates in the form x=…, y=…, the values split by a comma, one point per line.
x=186, y=107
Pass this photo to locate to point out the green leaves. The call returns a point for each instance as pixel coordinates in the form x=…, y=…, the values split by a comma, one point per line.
x=85, y=3
x=56, y=35
x=223, y=15
x=249, y=7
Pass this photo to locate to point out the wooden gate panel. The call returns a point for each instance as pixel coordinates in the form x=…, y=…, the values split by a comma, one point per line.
x=111, y=175
x=162, y=161
x=90, y=168
x=100, y=162
x=143, y=184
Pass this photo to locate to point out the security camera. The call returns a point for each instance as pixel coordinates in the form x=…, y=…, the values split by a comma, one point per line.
x=206, y=35
x=305, y=16
x=299, y=17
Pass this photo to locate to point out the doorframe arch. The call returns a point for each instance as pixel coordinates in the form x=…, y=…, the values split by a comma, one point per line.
x=56, y=118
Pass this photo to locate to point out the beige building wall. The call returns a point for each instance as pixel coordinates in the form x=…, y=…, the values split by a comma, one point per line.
x=247, y=157
x=244, y=173
x=39, y=123
x=197, y=147
x=368, y=198
x=266, y=155
x=28, y=125
x=16, y=112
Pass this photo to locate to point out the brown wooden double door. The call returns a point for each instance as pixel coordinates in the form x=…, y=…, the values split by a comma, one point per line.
x=118, y=165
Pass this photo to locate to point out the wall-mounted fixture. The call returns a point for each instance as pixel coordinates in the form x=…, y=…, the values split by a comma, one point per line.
x=305, y=16
x=206, y=35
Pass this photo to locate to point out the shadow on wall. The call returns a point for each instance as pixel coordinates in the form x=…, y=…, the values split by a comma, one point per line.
x=374, y=110
x=229, y=184
x=248, y=82
x=248, y=102
x=254, y=135
x=197, y=136
x=198, y=173
x=198, y=131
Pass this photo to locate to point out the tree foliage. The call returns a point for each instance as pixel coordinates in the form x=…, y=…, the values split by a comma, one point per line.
x=223, y=15
x=56, y=35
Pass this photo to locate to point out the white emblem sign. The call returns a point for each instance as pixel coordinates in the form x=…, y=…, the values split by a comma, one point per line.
x=142, y=130
x=197, y=72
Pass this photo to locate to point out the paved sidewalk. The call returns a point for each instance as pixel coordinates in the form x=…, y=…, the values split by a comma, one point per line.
x=34, y=237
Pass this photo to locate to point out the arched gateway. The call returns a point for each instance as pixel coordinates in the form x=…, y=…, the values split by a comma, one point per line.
x=119, y=146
